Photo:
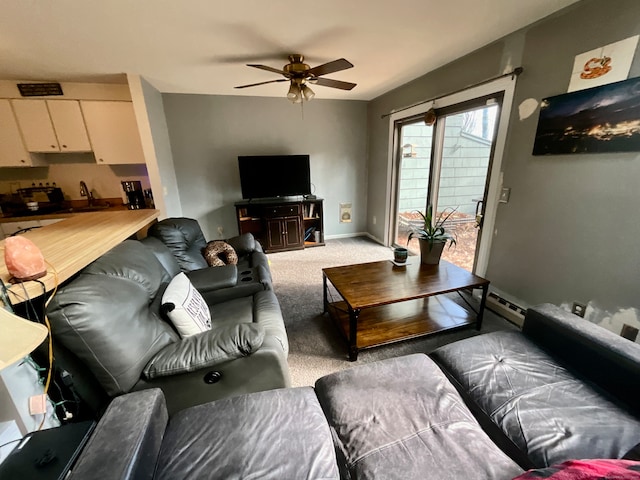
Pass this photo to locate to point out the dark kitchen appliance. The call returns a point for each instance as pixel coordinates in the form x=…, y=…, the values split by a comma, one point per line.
x=135, y=195
x=41, y=194
x=43, y=200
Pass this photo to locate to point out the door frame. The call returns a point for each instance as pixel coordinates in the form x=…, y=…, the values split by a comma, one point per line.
x=504, y=84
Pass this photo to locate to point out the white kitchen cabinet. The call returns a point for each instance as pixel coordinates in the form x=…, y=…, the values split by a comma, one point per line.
x=113, y=131
x=12, y=151
x=52, y=125
x=69, y=125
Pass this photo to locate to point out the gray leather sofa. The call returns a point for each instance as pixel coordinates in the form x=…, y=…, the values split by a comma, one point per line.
x=400, y=418
x=563, y=388
x=183, y=237
x=109, y=318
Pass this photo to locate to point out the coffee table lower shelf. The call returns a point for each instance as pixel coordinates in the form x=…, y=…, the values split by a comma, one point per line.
x=403, y=320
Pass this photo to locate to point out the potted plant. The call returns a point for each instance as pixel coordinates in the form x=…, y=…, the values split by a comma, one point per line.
x=432, y=235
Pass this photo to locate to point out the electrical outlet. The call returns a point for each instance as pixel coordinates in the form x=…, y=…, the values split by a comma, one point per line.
x=38, y=404
x=579, y=309
x=220, y=231
x=505, y=193
x=374, y=219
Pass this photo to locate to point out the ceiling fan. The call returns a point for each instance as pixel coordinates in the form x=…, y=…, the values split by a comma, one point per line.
x=299, y=74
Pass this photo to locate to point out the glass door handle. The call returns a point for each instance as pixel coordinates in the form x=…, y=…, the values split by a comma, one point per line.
x=479, y=215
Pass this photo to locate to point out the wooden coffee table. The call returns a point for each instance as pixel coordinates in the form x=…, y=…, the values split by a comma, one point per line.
x=382, y=303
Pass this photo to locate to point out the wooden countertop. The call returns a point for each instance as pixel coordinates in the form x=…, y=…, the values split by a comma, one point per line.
x=73, y=243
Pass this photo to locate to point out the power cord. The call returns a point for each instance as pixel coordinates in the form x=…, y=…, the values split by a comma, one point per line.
x=5, y=298
x=9, y=443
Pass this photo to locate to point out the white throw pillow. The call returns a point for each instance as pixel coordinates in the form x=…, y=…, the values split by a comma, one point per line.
x=185, y=307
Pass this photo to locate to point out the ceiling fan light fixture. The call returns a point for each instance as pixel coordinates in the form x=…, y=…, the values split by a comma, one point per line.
x=294, y=92
x=308, y=93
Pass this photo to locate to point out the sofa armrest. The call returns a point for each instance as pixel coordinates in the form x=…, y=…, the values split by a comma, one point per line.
x=267, y=314
x=213, y=278
x=127, y=440
x=243, y=244
x=607, y=359
x=205, y=350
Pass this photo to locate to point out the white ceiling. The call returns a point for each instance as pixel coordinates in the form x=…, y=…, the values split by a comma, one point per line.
x=202, y=46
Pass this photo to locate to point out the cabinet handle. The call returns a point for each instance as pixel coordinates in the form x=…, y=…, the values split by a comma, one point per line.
x=22, y=161
x=53, y=146
x=64, y=146
x=101, y=160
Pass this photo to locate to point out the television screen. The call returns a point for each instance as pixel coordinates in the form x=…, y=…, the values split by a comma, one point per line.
x=264, y=176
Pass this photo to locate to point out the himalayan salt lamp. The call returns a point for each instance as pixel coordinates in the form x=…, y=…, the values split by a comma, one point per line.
x=23, y=259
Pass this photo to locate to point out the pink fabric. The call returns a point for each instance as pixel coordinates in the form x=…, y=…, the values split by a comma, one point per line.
x=23, y=258
x=604, y=469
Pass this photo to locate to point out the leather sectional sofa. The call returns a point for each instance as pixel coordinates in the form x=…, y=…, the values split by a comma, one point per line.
x=491, y=407
x=111, y=333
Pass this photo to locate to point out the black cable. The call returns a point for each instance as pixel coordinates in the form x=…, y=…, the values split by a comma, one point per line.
x=29, y=304
x=44, y=293
x=9, y=443
x=4, y=296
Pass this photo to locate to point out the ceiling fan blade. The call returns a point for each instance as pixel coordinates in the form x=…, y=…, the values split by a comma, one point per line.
x=330, y=67
x=327, y=82
x=262, y=83
x=268, y=69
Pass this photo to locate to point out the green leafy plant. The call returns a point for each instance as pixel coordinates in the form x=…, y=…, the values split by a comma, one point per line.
x=434, y=231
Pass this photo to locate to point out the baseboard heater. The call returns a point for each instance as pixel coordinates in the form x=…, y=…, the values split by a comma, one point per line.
x=509, y=310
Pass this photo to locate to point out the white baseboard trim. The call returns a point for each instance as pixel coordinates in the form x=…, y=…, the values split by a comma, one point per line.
x=352, y=235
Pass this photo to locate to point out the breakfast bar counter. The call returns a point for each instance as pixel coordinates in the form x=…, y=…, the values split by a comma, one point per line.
x=73, y=243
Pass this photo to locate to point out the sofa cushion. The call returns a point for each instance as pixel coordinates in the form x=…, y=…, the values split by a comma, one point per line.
x=278, y=434
x=163, y=254
x=607, y=359
x=548, y=411
x=113, y=294
x=184, y=238
x=185, y=307
x=402, y=419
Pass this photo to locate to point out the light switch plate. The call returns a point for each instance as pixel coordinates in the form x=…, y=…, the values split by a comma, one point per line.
x=505, y=193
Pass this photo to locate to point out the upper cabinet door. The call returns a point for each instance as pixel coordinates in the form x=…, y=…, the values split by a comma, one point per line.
x=12, y=151
x=113, y=131
x=69, y=125
x=52, y=125
x=35, y=125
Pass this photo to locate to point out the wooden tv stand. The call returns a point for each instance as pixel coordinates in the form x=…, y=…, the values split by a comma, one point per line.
x=281, y=224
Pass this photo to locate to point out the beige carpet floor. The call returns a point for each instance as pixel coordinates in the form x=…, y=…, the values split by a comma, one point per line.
x=316, y=348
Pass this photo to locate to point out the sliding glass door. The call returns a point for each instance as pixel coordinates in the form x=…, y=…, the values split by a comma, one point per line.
x=446, y=165
x=413, y=169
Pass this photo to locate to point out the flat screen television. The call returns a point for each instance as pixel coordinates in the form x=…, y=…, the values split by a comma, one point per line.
x=267, y=176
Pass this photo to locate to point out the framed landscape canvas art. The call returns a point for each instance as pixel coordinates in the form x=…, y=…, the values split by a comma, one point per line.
x=596, y=120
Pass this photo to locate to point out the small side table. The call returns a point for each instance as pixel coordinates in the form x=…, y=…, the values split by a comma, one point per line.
x=47, y=454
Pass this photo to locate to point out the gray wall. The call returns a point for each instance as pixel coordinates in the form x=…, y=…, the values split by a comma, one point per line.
x=570, y=231
x=208, y=132
x=160, y=134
